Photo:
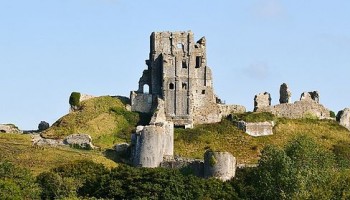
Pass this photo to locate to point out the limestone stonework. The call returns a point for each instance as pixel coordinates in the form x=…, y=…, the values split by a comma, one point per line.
x=343, y=117
x=178, y=74
x=262, y=100
x=310, y=96
x=256, y=128
x=220, y=165
x=285, y=93
x=299, y=109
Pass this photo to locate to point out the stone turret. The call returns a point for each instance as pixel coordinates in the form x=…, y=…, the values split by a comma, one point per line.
x=220, y=165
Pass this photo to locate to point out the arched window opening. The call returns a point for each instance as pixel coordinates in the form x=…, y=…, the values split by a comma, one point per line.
x=171, y=86
x=146, y=89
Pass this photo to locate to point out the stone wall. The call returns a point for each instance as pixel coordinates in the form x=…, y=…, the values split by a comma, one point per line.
x=310, y=96
x=226, y=110
x=256, y=128
x=141, y=102
x=299, y=109
x=262, y=100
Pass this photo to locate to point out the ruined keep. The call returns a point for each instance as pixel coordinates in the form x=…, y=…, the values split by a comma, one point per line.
x=178, y=74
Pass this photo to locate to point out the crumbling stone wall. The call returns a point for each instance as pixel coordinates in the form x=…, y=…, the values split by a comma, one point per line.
x=141, y=102
x=262, y=100
x=310, y=96
x=299, y=109
x=256, y=128
x=226, y=110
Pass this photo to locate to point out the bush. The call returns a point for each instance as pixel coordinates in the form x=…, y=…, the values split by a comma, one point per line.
x=74, y=99
x=253, y=117
x=332, y=114
x=17, y=183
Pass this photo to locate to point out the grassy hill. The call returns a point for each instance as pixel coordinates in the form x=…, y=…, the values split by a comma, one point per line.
x=108, y=122
x=18, y=149
x=224, y=136
x=104, y=118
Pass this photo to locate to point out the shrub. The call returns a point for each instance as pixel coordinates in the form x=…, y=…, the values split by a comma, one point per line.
x=74, y=99
x=253, y=117
x=332, y=114
x=17, y=183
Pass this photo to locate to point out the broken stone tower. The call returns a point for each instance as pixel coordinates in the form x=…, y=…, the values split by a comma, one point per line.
x=178, y=74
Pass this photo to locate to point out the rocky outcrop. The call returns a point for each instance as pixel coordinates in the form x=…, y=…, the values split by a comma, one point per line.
x=343, y=117
x=285, y=94
x=310, y=96
x=43, y=126
x=82, y=141
x=37, y=140
x=262, y=100
x=9, y=128
x=220, y=165
x=257, y=128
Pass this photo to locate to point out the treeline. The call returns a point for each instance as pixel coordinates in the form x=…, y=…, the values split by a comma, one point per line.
x=301, y=170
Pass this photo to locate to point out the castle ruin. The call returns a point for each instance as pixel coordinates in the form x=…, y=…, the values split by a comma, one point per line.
x=178, y=74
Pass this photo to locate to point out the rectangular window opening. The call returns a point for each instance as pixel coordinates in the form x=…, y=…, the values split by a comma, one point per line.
x=184, y=64
x=198, y=61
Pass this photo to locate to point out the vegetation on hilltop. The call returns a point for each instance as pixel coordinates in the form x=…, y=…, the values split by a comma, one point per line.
x=225, y=136
x=105, y=119
x=18, y=149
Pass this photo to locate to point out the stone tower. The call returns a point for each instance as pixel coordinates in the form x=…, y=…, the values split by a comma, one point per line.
x=178, y=74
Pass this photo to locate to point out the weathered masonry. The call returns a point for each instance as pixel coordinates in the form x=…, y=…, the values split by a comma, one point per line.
x=178, y=73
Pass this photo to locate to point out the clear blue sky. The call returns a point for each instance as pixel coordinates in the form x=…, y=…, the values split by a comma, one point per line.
x=49, y=48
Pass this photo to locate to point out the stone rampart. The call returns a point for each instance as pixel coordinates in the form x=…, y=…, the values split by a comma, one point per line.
x=299, y=109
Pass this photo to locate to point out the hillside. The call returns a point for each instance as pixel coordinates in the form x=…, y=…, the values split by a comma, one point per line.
x=104, y=118
x=108, y=122
x=18, y=149
x=225, y=136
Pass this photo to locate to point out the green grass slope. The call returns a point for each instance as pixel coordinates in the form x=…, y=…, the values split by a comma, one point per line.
x=225, y=136
x=18, y=149
x=104, y=118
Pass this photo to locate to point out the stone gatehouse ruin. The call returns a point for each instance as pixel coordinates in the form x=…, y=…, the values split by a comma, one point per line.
x=178, y=74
